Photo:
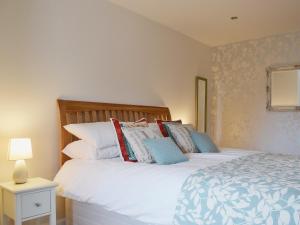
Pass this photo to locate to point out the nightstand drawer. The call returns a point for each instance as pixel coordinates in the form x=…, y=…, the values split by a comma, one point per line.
x=37, y=203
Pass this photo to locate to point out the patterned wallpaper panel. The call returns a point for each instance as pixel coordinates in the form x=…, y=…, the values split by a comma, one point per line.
x=238, y=103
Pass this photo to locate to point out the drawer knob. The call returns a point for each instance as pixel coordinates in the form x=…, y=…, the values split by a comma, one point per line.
x=37, y=204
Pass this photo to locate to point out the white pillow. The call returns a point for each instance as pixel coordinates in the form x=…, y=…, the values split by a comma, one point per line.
x=80, y=150
x=98, y=134
x=108, y=153
x=83, y=150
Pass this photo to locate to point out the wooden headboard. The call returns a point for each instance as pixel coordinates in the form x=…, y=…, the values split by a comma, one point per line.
x=84, y=112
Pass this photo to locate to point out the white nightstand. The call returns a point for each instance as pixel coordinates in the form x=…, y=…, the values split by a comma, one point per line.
x=31, y=200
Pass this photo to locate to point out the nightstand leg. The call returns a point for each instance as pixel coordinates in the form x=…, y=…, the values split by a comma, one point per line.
x=18, y=216
x=52, y=219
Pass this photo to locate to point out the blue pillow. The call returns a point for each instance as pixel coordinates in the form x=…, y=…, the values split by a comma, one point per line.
x=164, y=151
x=203, y=143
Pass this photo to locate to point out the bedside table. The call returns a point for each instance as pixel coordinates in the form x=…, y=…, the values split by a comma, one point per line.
x=31, y=200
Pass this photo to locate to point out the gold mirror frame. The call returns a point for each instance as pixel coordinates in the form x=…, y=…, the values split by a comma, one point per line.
x=198, y=78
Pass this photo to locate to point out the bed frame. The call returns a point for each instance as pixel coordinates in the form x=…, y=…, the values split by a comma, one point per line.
x=80, y=213
x=84, y=112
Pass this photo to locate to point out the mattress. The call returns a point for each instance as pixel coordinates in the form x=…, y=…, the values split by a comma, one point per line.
x=142, y=192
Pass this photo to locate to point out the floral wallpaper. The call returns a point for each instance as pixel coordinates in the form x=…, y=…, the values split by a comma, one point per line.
x=238, y=102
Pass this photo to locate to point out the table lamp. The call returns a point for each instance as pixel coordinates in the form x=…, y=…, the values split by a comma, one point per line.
x=19, y=150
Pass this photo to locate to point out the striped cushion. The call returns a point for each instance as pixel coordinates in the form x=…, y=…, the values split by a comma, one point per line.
x=125, y=149
x=154, y=127
x=135, y=137
x=182, y=136
x=164, y=129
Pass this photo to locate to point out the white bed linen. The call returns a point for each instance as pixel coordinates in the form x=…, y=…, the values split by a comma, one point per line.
x=145, y=192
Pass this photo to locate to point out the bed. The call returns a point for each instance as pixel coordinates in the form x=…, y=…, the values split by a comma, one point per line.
x=204, y=190
x=80, y=112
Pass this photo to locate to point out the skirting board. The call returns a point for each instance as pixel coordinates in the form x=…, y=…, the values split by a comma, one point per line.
x=58, y=222
x=41, y=221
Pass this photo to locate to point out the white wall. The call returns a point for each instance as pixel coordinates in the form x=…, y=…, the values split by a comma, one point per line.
x=85, y=50
x=239, y=115
x=298, y=87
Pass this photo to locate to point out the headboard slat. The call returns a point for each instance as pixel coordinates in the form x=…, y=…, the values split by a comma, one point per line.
x=107, y=115
x=83, y=112
x=125, y=116
x=131, y=118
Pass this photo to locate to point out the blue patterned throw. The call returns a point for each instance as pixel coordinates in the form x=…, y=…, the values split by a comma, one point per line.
x=260, y=189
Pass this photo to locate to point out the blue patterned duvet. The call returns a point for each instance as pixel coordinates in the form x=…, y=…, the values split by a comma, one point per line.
x=255, y=189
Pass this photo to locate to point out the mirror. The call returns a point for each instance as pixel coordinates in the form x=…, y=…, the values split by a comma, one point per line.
x=201, y=104
x=283, y=88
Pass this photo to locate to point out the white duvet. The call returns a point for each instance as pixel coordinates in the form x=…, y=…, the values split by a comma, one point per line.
x=145, y=192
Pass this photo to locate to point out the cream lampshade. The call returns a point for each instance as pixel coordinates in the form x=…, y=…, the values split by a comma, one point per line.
x=19, y=150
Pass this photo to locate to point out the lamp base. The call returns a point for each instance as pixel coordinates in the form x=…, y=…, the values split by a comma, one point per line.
x=20, y=174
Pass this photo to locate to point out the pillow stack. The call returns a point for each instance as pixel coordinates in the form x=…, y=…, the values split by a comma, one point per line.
x=130, y=137
x=187, y=138
x=163, y=142
x=145, y=142
x=97, y=141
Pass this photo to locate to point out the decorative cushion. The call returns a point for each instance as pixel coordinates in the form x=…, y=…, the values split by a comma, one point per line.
x=189, y=127
x=182, y=137
x=204, y=143
x=135, y=137
x=154, y=127
x=164, y=151
x=125, y=149
x=98, y=134
x=164, y=129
